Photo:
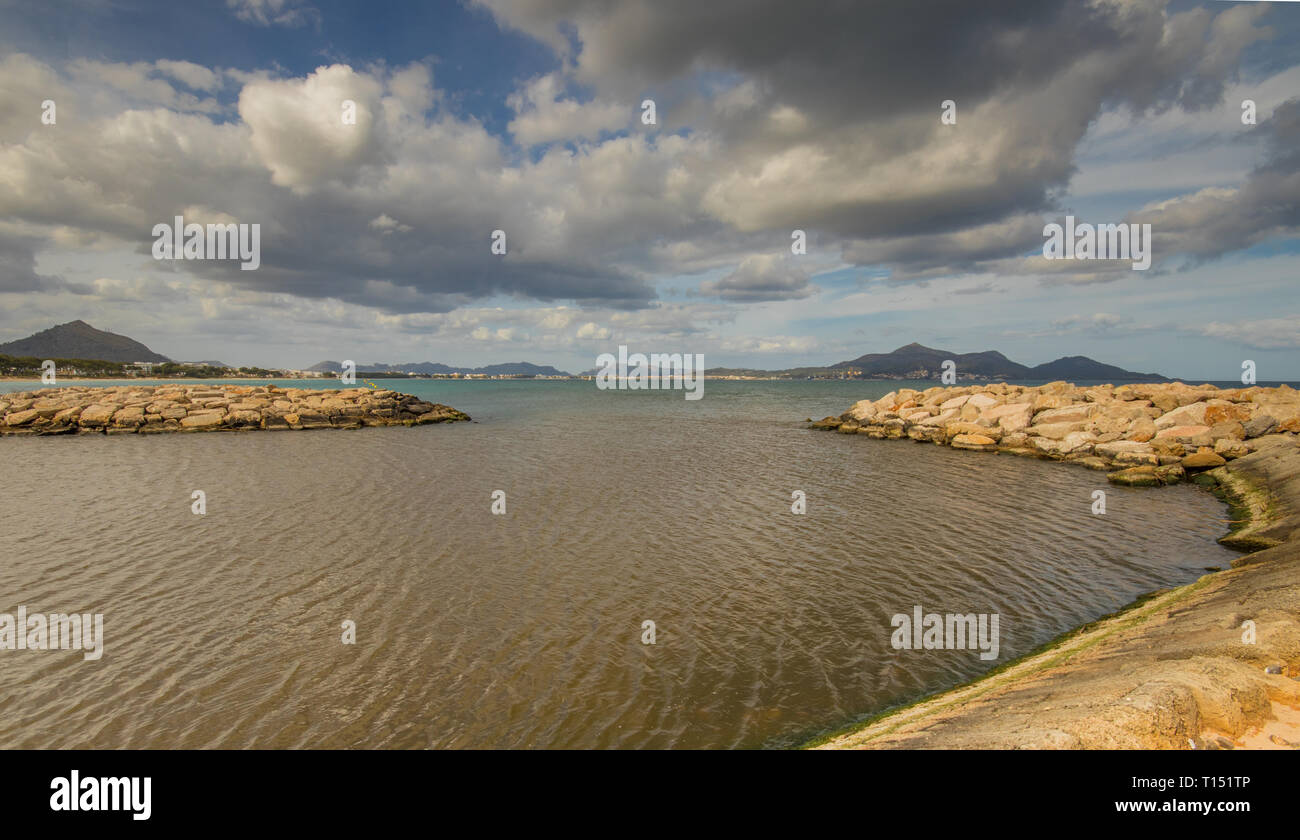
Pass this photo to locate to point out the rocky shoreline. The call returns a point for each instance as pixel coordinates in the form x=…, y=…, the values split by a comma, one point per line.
x=1174, y=671
x=132, y=409
x=1142, y=435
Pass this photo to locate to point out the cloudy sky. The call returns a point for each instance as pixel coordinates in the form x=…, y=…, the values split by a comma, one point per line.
x=526, y=116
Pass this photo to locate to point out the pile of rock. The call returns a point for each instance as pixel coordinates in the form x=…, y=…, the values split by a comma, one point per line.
x=1143, y=434
x=131, y=409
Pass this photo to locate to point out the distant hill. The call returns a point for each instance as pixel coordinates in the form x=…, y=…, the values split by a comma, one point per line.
x=916, y=361
x=79, y=340
x=916, y=357
x=1081, y=367
x=504, y=369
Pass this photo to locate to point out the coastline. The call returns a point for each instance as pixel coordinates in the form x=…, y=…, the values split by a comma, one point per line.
x=1173, y=670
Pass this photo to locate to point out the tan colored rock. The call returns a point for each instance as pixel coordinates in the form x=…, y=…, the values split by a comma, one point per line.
x=129, y=416
x=1164, y=401
x=1181, y=433
x=203, y=420
x=1048, y=401
x=1188, y=415
x=244, y=418
x=1014, y=440
x=1077, y=413
x=1230, y=429
x=941, y=419
x=1203, y=459
x=965, y=427
x=1135, y=477
x=1230, y=448
x=1223, y=411
x=860, y=410
x=974, y=442
x=1011, y=417
x=98, y=414
x=20, y=418
x=1112, y=450
x=1074, y=442
x=1142, y=429
x=1055, y=431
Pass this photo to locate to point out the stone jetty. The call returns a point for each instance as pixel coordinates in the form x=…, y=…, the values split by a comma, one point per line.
x=138, y=409
x=1141, y=435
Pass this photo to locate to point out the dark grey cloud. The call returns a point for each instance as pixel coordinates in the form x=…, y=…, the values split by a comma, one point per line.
x=829, y=113
x=1213, y=222
x=18, y=265
x=763, y=277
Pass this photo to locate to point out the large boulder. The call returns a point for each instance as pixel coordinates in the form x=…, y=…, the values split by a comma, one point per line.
x=1187, y=415
x=939, y=420
x=1011, y=417
x=1230, y=448
x=204, y=420
x=860, y=410
x=1203, y=459
x=1073, y=443
x=1195, y=435
x=1055, y=431
x=1116, y=448
x=1259, y=425
x=974, y=442
x=22, y=418
x=129, y=417
x=965, y=427
x=1070, y=414
x=1223, y=411
x=98, y=414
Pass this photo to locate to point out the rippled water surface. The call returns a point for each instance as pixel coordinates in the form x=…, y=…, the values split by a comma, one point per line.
x=524, y=630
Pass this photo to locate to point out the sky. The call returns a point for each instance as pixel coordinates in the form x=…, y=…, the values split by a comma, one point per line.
x=528, y=117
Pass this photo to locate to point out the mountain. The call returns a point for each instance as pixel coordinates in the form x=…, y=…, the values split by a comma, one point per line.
x=79, y=340
x=504, y=369
x=916, y=361
x=519, y=369
x=1081, y=367
x=916, y=357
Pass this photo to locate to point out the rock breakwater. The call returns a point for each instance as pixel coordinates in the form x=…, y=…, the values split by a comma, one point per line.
x=131, y=409
x=1141, y=435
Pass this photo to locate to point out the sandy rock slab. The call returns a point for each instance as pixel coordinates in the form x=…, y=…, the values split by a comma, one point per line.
x=132, y=409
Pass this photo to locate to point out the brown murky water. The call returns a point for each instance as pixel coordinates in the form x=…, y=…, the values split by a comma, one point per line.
x=524, y=630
